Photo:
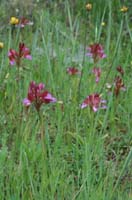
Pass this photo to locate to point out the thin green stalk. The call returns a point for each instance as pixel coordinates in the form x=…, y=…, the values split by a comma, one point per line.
x=84, y=54
x=42, y=133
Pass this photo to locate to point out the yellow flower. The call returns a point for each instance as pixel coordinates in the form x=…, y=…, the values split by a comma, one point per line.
x=1, y=45
x=89, y=6
x=103, y=24
x=14, y=20
x=124, y=9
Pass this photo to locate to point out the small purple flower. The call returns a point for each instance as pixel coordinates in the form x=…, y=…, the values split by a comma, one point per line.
x=26, y=102
x=38, y=95
x=95, y=102
x=96, y=52
x=15, y=57
x=23, y=22
x=73, y=71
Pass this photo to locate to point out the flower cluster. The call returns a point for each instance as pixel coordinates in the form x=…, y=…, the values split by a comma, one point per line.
x=73, y=71
x=37, y=95
x=15, y=57
x=23, y=22
x=95, y=102
x=96, y=52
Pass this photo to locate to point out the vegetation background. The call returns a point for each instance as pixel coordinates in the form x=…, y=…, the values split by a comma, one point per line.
x=71, y=153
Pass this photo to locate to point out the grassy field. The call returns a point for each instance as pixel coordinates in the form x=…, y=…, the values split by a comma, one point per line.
x=57, y=143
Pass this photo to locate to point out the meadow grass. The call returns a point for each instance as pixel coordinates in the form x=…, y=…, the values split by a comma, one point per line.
x=65, y=152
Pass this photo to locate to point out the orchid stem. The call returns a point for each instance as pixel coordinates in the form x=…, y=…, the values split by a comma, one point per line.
x=42, y=133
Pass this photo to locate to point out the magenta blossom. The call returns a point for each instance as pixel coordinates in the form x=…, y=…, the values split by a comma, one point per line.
x=38, y=95
x=95, y=102
x=23, y=22
x=15, y=57
x=96, y=52
x=97, y=72
x=73, y=71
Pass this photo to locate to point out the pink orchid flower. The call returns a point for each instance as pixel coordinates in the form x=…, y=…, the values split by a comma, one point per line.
x=15, y=57
x=38, y=95
x=96, y=52
x=73, y=71
x=95, y=102
x=23, y=22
